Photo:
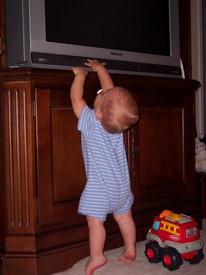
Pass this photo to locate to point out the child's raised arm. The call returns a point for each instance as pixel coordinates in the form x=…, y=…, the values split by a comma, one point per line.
x=104, y=77
x=77, y=90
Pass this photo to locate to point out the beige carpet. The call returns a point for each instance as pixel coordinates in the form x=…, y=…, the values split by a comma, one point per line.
x=141, y=266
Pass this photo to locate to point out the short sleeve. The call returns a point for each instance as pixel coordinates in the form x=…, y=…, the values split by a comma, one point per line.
x=87, y=121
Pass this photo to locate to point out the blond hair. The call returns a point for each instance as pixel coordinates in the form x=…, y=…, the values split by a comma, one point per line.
x=119, y=110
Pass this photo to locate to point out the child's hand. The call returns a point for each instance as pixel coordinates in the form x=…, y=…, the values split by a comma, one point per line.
x=94, y=64
x=79, y=71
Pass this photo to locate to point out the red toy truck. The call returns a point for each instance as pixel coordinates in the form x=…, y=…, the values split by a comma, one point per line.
x=172, y=238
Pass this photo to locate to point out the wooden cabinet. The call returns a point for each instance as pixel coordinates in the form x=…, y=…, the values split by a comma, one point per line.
x=42, y=171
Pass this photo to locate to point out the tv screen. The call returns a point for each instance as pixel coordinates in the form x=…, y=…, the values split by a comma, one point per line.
x=137, y=26
x=133, y=36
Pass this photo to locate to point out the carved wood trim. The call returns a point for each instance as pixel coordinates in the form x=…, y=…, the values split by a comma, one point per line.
x=18, y=149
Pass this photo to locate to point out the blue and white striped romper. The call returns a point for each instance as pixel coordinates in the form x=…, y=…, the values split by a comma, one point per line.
x=108, y=184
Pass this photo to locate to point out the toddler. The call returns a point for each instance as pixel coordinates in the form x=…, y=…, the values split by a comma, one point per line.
x=108, y=184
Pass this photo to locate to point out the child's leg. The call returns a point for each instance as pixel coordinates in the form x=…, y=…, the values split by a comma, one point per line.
x=128, y=230
x=97, y=235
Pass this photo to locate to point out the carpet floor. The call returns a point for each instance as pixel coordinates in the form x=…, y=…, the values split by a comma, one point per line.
x=141, y=266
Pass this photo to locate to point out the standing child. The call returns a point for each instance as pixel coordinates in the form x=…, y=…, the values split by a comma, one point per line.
x=108, y=184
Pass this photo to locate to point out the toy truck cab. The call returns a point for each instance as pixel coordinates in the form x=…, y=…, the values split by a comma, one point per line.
x=172, y=238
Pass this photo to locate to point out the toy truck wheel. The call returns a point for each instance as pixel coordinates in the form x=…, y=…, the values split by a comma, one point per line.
x=197, y=258
x=153, y=252
x=171, y=259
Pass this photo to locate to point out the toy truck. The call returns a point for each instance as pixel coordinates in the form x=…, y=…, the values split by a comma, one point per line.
x=172, y=239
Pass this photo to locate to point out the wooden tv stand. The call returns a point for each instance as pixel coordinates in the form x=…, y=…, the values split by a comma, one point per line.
x=42, y=171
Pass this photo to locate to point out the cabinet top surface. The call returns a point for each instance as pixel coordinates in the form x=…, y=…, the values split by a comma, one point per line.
x=37, y=75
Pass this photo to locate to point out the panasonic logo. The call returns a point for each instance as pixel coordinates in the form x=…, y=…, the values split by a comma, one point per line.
x=116, y=53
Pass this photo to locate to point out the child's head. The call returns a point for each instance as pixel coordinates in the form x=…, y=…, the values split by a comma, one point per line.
x=116, y=109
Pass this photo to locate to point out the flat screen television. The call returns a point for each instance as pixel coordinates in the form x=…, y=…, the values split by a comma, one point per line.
x=132, y=37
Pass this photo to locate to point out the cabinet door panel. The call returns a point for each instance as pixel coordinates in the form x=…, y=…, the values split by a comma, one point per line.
x=161, y=153
x=61, y=176
x=160, y=148
x=65, y=156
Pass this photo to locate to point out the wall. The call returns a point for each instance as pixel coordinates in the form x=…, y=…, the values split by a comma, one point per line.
x=197, y=61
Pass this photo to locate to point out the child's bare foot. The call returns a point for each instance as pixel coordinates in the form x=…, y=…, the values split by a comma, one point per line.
x=128, y=256
x=95, y=263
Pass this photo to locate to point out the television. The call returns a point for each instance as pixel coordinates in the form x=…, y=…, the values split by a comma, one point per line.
x=131, y=37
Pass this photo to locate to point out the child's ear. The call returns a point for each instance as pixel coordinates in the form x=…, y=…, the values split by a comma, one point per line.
x=98, y=115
